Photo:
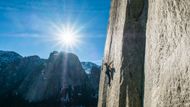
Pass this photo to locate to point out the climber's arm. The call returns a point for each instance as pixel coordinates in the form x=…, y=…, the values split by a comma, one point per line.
x=110, y=63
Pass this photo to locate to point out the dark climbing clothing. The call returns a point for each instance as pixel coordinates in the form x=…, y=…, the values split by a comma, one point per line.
x=108, y=71
x=109, y=77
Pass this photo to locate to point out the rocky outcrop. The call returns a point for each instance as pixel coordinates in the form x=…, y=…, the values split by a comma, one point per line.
x=62, y=70
x=57, y=81
x=167, y=64
x=125, y=46
x=162, y=78
x=9, y=62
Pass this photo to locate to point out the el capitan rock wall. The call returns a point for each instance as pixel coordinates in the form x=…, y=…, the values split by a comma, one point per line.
x=125, y=46
x=167, y=64
x=158, y=76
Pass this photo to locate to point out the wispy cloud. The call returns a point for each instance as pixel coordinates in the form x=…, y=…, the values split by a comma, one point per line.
x=23, y=35
x=8, y=8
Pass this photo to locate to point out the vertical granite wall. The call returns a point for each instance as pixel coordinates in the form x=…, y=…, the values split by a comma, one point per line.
x=167, y=62
x=125, y=46
x=158, y=76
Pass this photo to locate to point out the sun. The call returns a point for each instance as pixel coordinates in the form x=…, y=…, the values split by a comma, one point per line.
x=68, y=37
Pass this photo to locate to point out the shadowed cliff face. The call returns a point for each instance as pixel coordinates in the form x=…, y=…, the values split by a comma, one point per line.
x=61, y=71
x=58, y=81
x=125, y=46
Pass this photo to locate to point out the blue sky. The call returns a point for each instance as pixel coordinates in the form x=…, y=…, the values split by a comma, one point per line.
x=28, y=26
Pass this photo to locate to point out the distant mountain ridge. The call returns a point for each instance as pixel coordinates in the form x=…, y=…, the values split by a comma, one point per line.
x=8, y=56
x=59, y=79
x=87, y=66
x=93, y=72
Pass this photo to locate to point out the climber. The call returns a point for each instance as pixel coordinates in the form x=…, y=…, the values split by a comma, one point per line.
x=108, y=71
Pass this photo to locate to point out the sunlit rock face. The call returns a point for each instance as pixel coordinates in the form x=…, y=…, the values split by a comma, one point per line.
x=165, y=79
x=125, y=46
x=167, y=65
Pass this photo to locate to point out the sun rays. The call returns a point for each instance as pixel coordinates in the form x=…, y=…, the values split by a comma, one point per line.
x=67, y=37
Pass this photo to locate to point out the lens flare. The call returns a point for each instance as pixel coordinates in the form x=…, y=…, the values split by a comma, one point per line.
x=68, y=37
